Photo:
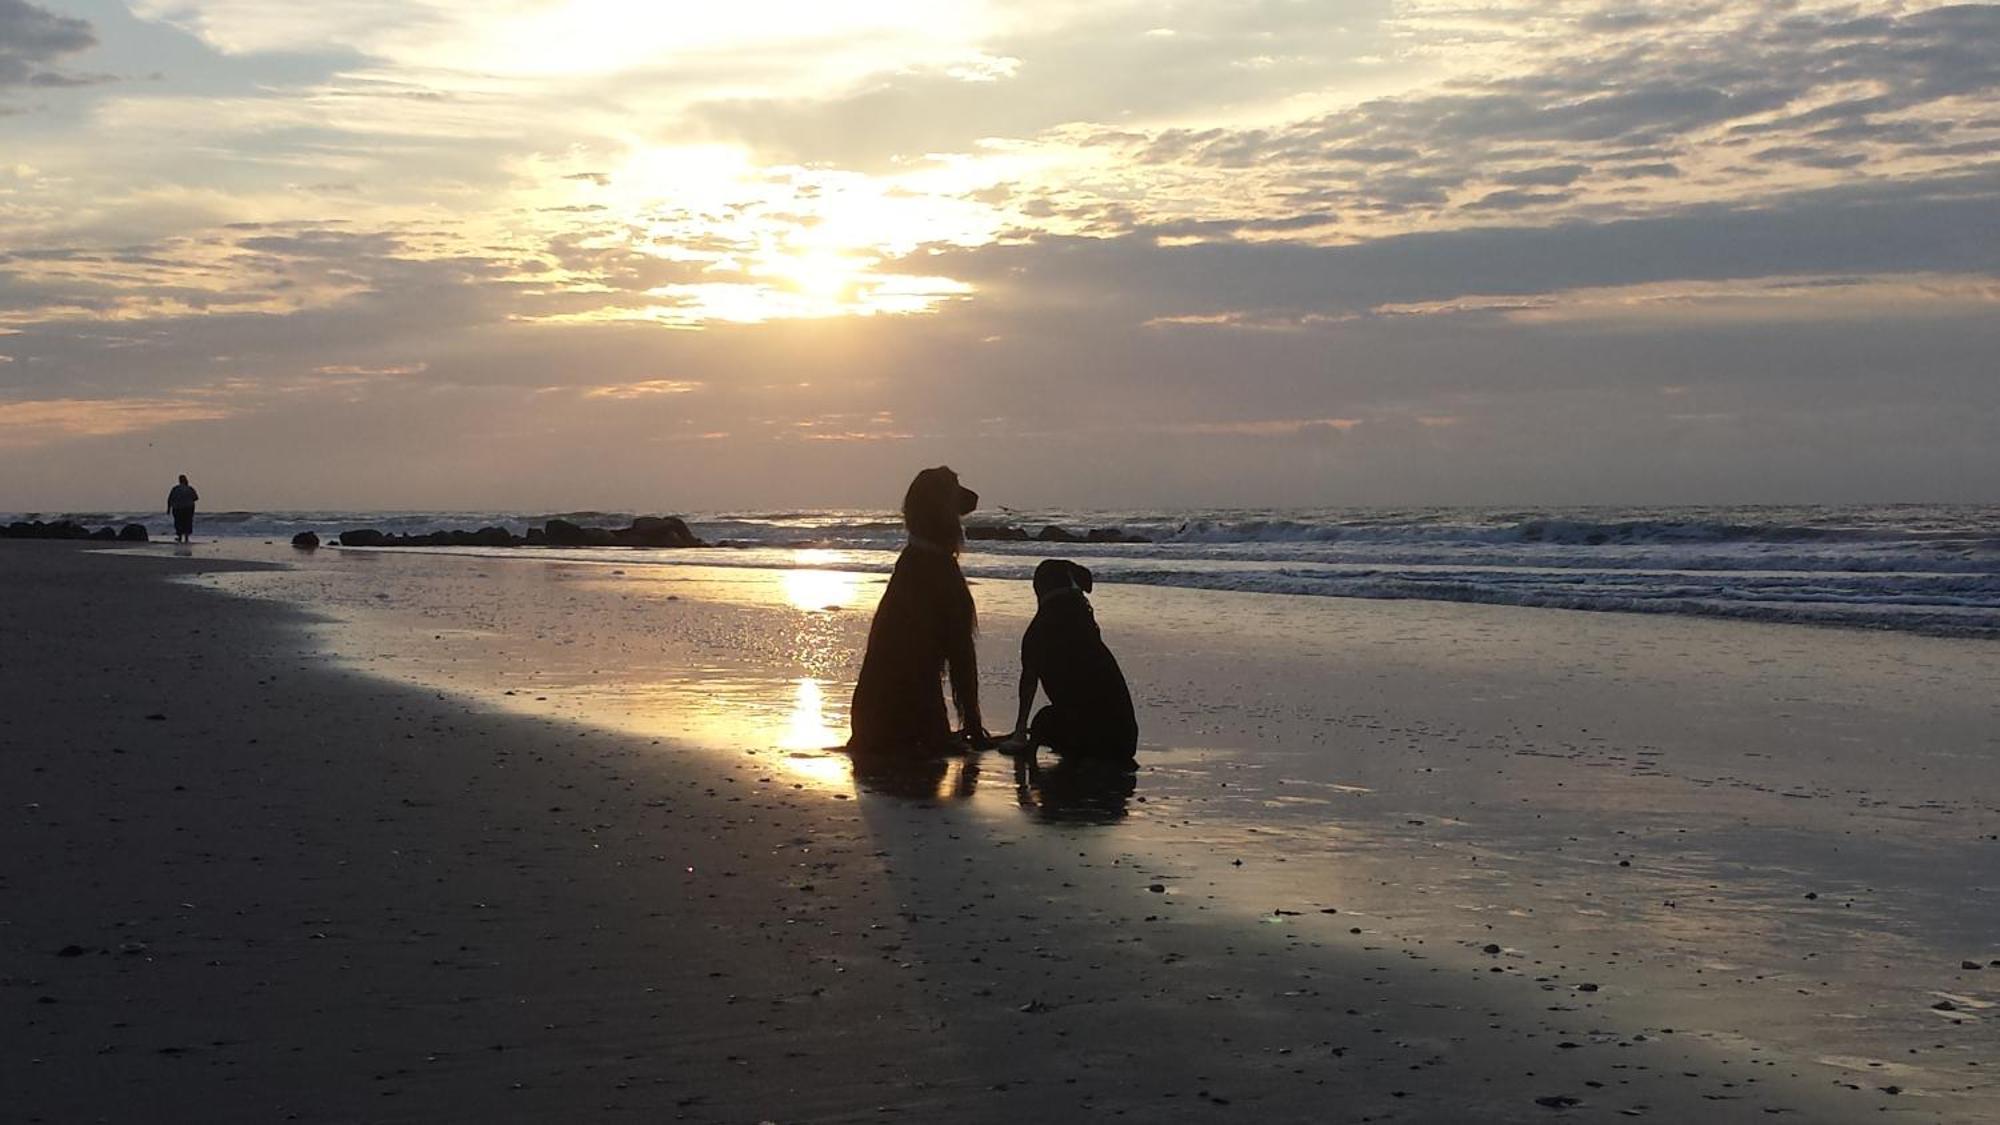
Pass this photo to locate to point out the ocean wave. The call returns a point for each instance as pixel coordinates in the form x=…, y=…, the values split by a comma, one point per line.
x=1921, y=568
x=1567, y=532
x=1949, y=607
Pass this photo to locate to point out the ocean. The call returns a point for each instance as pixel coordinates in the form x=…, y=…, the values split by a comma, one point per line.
x=1932, y=569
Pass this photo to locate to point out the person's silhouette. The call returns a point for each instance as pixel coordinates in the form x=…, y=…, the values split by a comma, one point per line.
x=180, y=501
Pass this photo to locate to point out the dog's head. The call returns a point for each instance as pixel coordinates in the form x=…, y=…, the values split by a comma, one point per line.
x=1055, y=575
x=933, y=505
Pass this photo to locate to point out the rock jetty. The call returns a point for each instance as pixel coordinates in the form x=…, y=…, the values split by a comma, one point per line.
x=70, y=529
x=646, y=531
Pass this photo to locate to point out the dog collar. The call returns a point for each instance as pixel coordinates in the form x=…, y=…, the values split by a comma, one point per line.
x=1043, y=599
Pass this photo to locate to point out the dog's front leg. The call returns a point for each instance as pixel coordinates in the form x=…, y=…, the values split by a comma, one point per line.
x=1018, y=738
x=964, y=662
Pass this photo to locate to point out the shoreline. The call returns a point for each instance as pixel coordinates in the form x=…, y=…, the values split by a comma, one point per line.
x=1012, y=945
x=1923, y=569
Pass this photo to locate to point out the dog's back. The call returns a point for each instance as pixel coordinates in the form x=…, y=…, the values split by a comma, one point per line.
x=1066, y=650
x=1064, y=644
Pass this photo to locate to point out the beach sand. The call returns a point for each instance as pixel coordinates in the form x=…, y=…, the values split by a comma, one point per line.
x=425, y=837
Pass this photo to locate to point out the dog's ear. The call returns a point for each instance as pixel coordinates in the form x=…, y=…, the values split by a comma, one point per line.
x=1082, y=575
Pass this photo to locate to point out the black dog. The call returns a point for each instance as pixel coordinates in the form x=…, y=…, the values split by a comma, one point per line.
x=923, y=626
x=1090, y=708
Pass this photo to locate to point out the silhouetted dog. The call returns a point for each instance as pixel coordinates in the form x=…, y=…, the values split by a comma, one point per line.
x=923, y=626
x=1090, y=708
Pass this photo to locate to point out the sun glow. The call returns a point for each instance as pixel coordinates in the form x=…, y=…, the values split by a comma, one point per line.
x=755, y=243
x=823, y=275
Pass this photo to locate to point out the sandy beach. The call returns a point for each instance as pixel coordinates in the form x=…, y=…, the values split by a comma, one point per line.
x=420, y=836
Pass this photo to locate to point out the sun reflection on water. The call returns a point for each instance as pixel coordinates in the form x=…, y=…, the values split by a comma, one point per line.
x=820, y=589
x=811, y=746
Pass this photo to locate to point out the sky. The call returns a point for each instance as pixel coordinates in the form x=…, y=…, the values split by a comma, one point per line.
x=666, y=256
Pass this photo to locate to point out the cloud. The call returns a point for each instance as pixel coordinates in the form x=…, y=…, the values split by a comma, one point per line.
x=1513, y=199
x=32, y=37
x=26, y=424
x=845, y=429
x=646, y=388
x=366, y=371
x=1766, y=300
x=1273, y=427
x=1625, y=113
x=1903, y=228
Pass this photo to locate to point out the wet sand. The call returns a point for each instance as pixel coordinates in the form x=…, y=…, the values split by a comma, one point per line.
x=496, y=839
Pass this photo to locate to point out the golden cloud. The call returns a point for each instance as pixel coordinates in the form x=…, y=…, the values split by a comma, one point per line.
x=51, y=420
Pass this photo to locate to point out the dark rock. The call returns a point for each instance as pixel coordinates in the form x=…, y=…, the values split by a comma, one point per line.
x=1004, y=533
x=306, y=541
x=105, y=535
x=658, y=531
x=1559, y=1101
x=648, y=531
x=1054, y=534
x=1970, y=965
x=1114, y=535
x=132, y=533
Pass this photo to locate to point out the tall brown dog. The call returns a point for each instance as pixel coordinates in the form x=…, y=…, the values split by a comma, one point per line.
x=923, y=626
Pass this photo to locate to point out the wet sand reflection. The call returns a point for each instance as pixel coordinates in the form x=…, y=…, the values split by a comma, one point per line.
x=917, y=777
x=1075, y=790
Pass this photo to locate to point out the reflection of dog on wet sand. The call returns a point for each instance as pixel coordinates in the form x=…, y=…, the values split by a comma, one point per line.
x=1090, y=708
x=1075, y=790
x=923, y=629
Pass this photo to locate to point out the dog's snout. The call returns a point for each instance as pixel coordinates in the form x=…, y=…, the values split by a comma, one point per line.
x=967, y=500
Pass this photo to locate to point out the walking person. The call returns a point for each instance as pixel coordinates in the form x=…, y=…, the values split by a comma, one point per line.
x=180, y=501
